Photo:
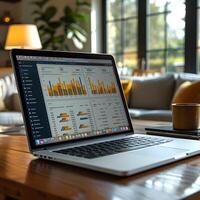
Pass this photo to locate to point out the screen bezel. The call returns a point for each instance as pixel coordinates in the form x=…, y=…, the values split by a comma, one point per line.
x=22, y=52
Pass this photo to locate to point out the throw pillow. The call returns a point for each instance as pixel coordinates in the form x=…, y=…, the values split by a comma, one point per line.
x=126, y=86
x=188, y=92
x=152, y=93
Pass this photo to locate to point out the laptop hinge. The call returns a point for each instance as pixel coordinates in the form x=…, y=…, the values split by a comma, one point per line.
x=82, y=142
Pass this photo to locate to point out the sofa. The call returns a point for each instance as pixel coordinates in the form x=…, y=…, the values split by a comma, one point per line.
x=150, y=97
x=10, y=111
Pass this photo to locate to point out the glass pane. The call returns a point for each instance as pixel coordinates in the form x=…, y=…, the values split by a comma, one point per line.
x=119, y=63
x=176, y=25
x=175, y=38
x=155, y=6
x=118, y=60
x=174, y=4
x=175, y=61
x=155, y=61
x=130, y=59
x=130, y=8
x=130, y=35
x=156, y=36
x=198, y=28
x=198, y=3
x=114, y=37
x=113, y=9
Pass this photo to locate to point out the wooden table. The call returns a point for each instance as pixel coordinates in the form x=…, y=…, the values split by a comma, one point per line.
x=22, y=176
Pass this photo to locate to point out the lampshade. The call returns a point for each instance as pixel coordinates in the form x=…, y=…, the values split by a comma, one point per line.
x=24, y=36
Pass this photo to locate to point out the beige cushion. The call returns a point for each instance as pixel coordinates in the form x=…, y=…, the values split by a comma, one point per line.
x=188, y=92
x=152, y=93
x=7, y=88
x=16, y=102
x=4, y=90
x=13, y=102
x=2, y=105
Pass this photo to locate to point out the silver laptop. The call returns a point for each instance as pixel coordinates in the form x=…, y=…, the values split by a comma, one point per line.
x=75, y=113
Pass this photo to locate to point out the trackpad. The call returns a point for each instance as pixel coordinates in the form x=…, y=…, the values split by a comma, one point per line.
x=140, y=159
x=163, y=151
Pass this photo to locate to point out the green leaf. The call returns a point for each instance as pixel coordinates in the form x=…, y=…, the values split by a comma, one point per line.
x=54, y=24
x=70, y=22
x=36, y=3
x=76, y=27
x=83, y=17
x=67, y=10
x=37, y=19
x=81, y=36
x=77, y=37
x=77, y=42
x=49, y=30
x=58, y=39
x=41, y=27
x=44, y=2
x=40, y=3
x=47, y=42
x=50, y=12
x=36, y=12
x=83, y=3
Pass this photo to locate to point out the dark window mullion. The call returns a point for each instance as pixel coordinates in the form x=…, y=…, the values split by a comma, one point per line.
x=162, y=49
x=120, y=19
x=191, y=36
x=104, y=26
x=142, y=33
x=165, y=36
x=122, y=31
x=158, y=13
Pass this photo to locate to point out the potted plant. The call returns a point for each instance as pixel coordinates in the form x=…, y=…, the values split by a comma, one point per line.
x=53, y=32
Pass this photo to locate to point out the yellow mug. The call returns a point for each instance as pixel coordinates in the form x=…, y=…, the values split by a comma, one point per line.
x=186, y=116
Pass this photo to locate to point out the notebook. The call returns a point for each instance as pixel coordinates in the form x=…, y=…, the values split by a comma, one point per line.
x=169, y=131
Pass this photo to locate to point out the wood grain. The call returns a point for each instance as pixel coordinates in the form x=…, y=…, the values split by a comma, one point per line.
x=18, y=143
x=22, y=176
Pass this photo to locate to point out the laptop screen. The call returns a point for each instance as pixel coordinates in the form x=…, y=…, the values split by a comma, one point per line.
x=71, y=98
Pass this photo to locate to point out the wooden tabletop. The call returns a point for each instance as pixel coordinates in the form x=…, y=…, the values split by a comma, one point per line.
x=22, y=176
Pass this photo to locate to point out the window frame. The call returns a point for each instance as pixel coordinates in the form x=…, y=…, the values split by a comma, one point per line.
x=191, y=28
x=122, y=20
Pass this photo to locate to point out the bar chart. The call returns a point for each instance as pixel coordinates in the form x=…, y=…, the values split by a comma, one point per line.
x=64, y=117
x=62, y=88
x=100, y=87
x=66, y=128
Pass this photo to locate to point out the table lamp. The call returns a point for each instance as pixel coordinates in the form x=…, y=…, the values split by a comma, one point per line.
x=23, y=36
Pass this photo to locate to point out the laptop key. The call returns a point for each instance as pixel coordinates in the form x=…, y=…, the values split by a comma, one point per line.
x=112, y=147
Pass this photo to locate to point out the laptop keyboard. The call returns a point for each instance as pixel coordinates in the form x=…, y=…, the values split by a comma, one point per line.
x=113, y=147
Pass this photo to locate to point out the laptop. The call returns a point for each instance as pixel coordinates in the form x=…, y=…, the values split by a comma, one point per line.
x=75, y=113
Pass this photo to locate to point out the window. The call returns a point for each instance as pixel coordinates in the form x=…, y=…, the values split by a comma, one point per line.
x=121, y=31
x=163, y=33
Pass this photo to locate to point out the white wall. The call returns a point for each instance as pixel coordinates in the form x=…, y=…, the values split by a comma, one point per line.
x=96, y=26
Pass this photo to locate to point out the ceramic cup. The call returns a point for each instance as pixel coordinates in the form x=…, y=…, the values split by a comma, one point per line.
x=186, y=116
